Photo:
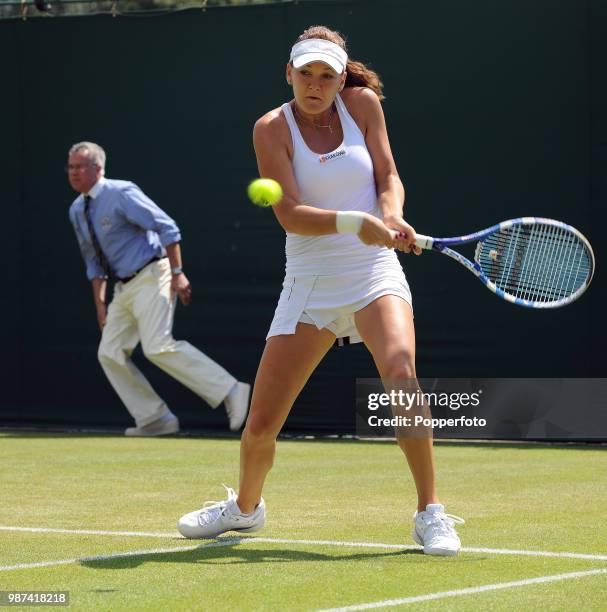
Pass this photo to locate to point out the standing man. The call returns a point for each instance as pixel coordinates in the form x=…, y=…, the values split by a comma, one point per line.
x=127, y=238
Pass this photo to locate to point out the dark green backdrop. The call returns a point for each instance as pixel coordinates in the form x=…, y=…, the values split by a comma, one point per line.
x=495, y=110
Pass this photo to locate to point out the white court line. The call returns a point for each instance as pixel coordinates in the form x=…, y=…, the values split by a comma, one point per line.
x=137, y=534
x=470, y=591
x=175, y=535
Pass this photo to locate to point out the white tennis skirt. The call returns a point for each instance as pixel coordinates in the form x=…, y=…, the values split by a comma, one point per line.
x=329, y=302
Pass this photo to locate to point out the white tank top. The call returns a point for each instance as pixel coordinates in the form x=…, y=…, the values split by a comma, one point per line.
x=339, y=180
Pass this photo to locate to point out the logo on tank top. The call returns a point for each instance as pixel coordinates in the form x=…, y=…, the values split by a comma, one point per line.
x=323, y=159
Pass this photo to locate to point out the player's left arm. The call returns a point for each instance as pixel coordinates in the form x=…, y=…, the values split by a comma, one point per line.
x=390, y=189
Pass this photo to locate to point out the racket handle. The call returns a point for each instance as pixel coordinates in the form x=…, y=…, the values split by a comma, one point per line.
x=424, y=242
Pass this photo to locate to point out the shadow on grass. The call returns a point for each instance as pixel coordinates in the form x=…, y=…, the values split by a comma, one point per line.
x=232, y=553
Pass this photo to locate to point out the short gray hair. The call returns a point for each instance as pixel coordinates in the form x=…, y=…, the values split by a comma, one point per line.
x=97, y=154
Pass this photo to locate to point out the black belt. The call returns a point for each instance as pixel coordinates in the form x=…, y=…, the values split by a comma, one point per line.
x=129, y=278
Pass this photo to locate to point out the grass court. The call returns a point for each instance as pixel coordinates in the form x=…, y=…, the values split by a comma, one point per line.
x=95, y=515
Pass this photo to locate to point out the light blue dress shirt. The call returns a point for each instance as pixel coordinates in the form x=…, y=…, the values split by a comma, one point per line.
x=130, y=228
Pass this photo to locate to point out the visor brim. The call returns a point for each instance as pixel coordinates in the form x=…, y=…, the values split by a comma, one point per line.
x=318, y=56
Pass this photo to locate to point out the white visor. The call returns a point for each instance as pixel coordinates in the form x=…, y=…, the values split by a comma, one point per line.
x=319, y=50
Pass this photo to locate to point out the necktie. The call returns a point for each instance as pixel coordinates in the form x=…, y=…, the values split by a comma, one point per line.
x=101, y=258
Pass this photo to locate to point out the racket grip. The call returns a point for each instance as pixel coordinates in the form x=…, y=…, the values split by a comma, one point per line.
x=424, y=242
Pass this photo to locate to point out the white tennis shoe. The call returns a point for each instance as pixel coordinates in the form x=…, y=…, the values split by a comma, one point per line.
x=435, y=531
x=237, y=404
x=215, y=518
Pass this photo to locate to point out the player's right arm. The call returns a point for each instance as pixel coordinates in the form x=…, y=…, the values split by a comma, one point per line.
x=271, y=139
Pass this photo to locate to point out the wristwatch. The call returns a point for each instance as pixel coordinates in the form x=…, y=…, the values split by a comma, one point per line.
x=177, y=270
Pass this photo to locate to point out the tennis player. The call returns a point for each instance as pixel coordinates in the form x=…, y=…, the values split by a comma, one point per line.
x=342, y=211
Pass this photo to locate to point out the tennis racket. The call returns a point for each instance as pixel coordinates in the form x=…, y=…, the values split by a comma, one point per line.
x=529, y=261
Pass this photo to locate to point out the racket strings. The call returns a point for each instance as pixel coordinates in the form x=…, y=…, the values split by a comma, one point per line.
x=539, y=262
x=543, y=266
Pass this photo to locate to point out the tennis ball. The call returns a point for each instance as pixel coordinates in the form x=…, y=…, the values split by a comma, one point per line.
x=264, y=192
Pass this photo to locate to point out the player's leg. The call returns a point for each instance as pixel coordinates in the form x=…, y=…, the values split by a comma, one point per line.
x=119, y=338
x=286, y=364
x=386, y=326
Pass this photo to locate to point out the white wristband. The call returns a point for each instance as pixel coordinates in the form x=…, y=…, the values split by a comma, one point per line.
x=349, y=221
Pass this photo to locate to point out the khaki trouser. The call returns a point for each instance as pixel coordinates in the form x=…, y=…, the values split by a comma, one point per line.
x=142, y=310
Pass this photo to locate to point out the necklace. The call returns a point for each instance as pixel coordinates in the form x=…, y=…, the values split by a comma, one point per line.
x=316, y=125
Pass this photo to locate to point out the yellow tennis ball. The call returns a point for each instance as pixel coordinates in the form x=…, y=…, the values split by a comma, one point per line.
x=264, y=192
